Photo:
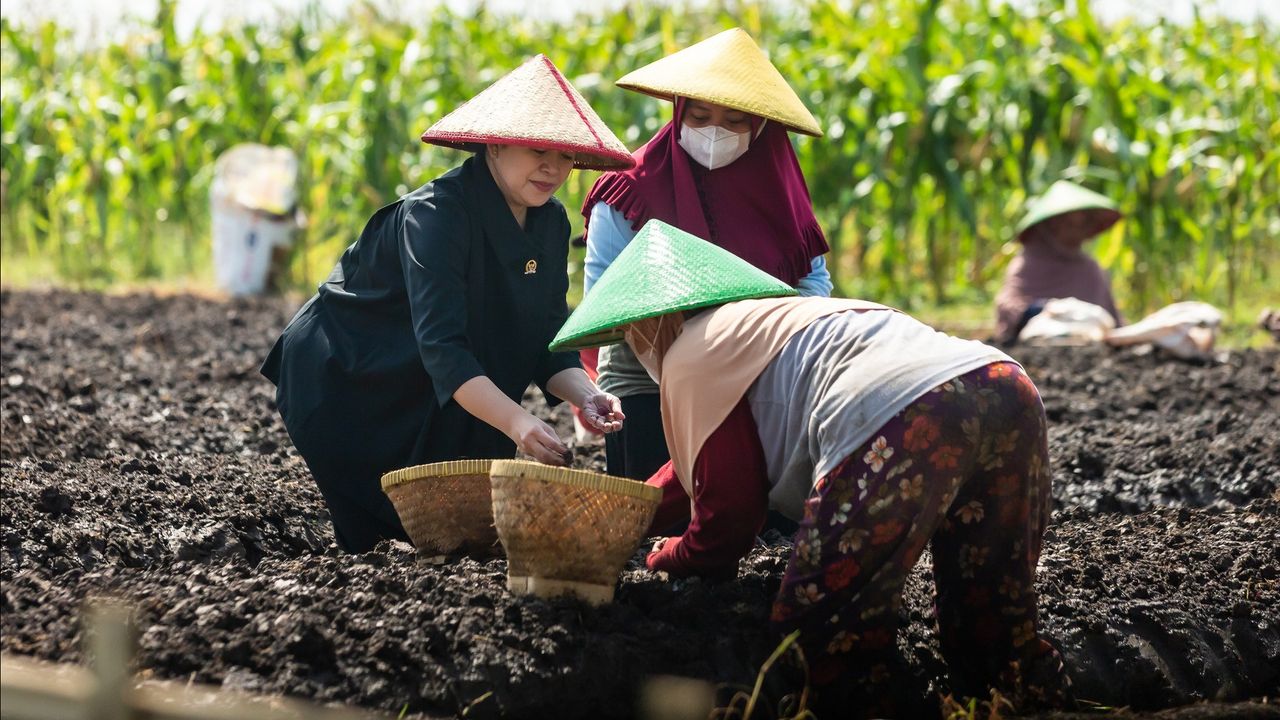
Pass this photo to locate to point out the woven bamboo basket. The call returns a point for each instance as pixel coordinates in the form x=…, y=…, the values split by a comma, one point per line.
x=445, y=507
x=567, y=531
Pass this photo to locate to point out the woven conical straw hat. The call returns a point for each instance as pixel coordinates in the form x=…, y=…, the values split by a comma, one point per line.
x=533, y=105
x=1070, y=212
x=662, y=270
x=728, y=69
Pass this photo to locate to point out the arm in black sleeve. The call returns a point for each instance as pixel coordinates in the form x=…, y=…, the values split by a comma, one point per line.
x=434, y=245
x=551, y=363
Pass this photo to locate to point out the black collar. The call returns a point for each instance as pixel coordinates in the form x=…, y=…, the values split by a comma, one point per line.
x=499, y=223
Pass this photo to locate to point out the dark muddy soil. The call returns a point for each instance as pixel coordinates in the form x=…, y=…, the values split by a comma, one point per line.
x=142, y=458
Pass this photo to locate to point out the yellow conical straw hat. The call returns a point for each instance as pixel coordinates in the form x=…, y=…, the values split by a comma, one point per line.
x=728, y=69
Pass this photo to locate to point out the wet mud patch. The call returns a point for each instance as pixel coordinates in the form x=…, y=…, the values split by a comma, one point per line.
x=142, y=457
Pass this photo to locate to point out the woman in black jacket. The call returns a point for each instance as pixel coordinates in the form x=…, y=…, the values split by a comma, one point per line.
x=419, y=346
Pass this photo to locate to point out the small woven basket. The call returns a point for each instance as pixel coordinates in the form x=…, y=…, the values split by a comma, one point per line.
x=567, y=531
x=445, y=507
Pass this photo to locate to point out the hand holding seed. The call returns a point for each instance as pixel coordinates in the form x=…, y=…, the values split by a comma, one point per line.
x=603, y=412
x=537, y=440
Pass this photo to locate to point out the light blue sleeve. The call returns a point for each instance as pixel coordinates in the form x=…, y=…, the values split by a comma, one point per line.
x=818, y=282
x=608, y=232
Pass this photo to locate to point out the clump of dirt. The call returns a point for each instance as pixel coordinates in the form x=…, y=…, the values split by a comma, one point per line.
x=1130, y=431
x=142, y=457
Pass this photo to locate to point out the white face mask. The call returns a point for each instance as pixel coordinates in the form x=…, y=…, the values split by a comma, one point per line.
x=712, y=146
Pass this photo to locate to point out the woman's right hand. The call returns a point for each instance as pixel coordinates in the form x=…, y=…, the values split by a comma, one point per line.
x=480, y=397
x=537, y=440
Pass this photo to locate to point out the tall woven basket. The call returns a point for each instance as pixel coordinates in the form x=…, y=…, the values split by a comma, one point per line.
x=567, y=531
x=445, y=507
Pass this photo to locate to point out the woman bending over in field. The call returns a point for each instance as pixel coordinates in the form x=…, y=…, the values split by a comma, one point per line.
x=419, y=346
x=876, y=433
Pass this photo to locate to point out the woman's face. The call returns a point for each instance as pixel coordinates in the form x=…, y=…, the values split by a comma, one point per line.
x=527, y=176
x=700, y=114
x=1067, y=232
x=651, y=338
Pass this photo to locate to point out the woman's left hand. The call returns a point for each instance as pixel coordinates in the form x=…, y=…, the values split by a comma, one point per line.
x=603, y=412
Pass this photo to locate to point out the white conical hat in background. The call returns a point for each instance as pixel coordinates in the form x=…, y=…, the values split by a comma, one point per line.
x=727, y=69
x=533, y=105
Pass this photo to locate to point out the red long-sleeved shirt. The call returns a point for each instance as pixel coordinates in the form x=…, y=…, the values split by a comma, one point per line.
x=730, y=502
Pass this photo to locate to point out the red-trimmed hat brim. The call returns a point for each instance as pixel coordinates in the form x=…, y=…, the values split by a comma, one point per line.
x=586, y=157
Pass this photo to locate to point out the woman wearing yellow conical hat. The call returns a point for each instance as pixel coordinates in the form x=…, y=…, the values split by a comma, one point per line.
x=722, y=169
x=419, y=346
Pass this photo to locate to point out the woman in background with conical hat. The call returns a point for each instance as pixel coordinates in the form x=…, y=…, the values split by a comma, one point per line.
x=1052, y=263
x=419, y=346
x=722, y=169
x=876, y=433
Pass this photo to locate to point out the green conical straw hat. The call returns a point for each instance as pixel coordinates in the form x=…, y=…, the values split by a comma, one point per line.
x=662, y=270
x=1069, y=211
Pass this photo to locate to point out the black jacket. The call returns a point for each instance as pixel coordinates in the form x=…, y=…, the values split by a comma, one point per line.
x=442, y=286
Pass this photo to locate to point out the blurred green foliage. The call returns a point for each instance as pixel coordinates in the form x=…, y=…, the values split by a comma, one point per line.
x=941, y=119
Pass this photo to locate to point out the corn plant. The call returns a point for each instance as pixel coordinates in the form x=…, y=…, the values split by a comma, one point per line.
x=942, y=118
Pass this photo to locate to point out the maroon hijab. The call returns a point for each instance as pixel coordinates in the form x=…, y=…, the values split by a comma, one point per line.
x=757, y=207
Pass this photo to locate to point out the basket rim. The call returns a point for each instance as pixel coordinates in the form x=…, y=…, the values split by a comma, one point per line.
x=440, y=469
x=528, y=470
